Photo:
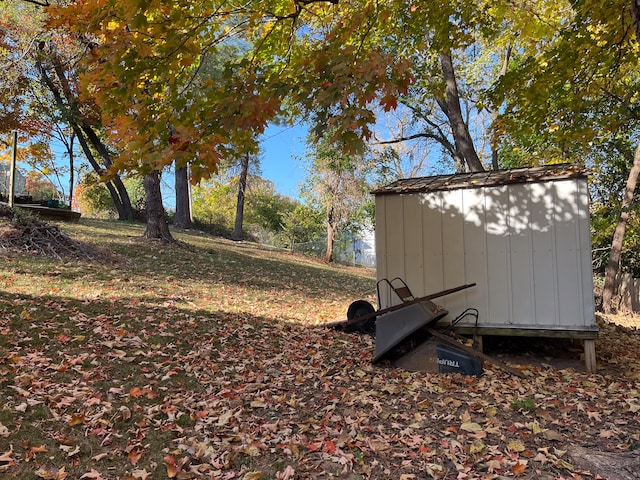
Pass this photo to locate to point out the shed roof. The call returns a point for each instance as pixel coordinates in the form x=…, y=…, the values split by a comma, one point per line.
x=483, y=179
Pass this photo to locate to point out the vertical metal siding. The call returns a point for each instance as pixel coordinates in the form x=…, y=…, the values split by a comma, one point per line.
x=498, y=257
x=381, y=240
x=433, y=263
x=394, y=245
x=452, y=245
x=567, y=261
x=543, y=253
x=413, y=243
x=588, y=314
x=475, y=247
x=522, y=310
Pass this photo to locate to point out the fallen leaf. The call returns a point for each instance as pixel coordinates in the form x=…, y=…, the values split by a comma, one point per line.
x=140, y=474
x=287, y=474
x=136, y=392
x=51, y=473
x=76, y=419
x=70, y=450
x=134, y=455
x=93, y=475
x=471, y=427
x=517, y=446
x=257, y=475
x=477, y=446
x=519, y=468
x=553, y=436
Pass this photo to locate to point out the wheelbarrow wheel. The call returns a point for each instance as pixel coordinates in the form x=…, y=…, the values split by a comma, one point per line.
x=357, y=309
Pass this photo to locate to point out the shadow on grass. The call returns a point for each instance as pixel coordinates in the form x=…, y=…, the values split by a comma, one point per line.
x=116, y=376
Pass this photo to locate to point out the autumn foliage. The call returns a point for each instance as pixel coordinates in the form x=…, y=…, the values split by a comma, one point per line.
x=146, y=69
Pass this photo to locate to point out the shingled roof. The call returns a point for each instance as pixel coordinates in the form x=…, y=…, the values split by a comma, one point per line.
x=483, y=179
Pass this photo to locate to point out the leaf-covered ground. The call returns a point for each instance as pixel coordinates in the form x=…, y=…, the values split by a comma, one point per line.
x=204, y=360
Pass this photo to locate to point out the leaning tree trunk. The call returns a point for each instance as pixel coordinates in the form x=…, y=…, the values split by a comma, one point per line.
x=121, y=204
x=182, y=218
x=68, y=107
x=157, y=226
x=452, y=109
x=611, y=272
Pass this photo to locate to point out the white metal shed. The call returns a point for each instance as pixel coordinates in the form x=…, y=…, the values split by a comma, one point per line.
x=521, y=235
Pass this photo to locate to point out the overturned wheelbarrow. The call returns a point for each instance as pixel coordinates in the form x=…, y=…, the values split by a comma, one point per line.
x=405, y=333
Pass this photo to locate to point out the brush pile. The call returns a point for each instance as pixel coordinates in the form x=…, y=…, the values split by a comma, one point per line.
x=22, y=231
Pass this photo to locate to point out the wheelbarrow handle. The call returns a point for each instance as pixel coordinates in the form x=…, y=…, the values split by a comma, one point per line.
x=393, y=308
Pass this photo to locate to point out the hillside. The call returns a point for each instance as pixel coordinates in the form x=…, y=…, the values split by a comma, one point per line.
x=204, y=359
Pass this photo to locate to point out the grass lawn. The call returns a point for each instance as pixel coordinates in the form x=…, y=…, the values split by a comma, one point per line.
x=204, y=359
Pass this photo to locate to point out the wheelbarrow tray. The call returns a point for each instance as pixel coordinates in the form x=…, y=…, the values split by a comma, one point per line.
x=395, y=326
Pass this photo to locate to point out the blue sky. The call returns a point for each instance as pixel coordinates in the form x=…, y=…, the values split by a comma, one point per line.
x=283, y=147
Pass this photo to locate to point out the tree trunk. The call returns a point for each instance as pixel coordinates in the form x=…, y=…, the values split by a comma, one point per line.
x=611, y=272
x=452, y=109
x=124, y=213
x=157, y=226
x=495, y=164
x=331, y=233
x=635, y=13
x=242, y=187
x=613, y=465
x=71, y=169
x=103, y=151
x=67, y=106
x=182, y=218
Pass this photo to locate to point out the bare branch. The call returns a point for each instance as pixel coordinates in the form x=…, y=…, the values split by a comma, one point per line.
x=44, y=3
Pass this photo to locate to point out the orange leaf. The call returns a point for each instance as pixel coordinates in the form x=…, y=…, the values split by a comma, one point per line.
x=519, y=468
x=329, y=447
x=136, y=392
x=172, y=468
x=76, y=419
x=134, y=455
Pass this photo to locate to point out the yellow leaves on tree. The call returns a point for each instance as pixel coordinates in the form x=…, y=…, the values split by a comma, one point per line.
x=147, y=73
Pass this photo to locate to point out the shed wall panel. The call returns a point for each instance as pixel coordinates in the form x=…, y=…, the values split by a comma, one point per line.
x=567, y=260
x=543, y=254
x=527, y=246
x=498, y=258
x=452, y=245
x=585, y=254
x=521, y=268
x=475, y=238
x=413, y=243
x=431, y=206
x=381, y=239
x=394, y=233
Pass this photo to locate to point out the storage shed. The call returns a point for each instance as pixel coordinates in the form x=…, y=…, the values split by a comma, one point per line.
x=521, y=235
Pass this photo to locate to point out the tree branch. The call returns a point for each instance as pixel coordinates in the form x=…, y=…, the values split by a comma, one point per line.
x=44, y=3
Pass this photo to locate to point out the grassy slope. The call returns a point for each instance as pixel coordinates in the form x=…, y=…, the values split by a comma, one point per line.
x=201, y=360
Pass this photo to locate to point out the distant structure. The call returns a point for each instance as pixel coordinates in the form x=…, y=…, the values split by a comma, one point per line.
x=20, y=181
x=359, y=249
